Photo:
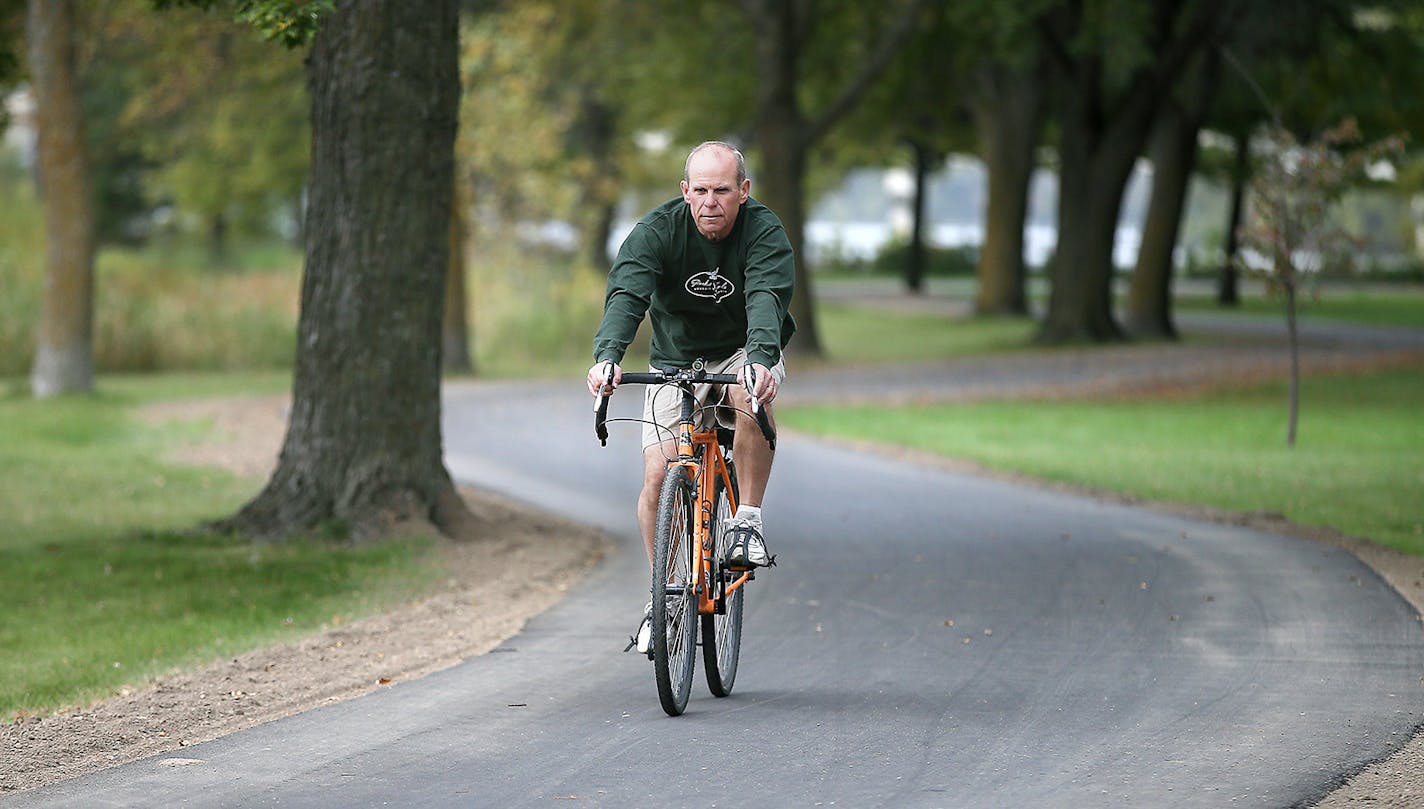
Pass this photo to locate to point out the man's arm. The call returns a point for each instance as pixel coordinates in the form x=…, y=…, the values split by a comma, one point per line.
x=770, y=277
x=630, y=291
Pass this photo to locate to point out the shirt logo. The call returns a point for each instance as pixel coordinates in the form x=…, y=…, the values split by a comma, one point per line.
x=710, y=285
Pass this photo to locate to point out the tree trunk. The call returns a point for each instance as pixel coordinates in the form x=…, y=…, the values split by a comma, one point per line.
x=363, y=445
x=1096, y=163
x=455, y=330
x=1104, y=125
x=595, y=134
x=1228, y=293
x=915, y=260
x=780, y=187
x=1149, y=297
x=64, y=351
x=1007, y=110
x=1173, y=152
x=780, y=135
x=217, y=242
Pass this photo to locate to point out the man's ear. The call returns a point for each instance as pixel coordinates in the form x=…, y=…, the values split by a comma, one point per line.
x=746, y=189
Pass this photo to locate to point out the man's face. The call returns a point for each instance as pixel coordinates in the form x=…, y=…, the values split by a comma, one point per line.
x=712, y=193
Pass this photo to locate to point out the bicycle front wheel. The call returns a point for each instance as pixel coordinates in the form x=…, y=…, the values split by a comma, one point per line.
x=674, y=599
x=722, y=632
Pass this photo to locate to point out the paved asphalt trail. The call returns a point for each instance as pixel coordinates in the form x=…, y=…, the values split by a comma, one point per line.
x=930, y=640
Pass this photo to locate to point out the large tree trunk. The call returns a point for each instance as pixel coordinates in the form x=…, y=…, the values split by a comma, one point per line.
x=1096, y=165
x=64, y=351
x=363, y=445
x=1105, y=123
x=1173, y=152
x=1007, y=109
x=780, y=135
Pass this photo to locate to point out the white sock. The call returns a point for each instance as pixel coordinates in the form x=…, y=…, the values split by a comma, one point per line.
x=751, y=514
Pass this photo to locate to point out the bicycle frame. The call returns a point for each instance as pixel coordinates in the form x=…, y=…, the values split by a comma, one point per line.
x=700, y=453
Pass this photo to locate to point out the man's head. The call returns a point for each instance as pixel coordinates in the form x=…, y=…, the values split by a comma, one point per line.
x=715, y=185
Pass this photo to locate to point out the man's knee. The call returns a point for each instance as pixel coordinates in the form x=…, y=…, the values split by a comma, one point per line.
x=654, y=471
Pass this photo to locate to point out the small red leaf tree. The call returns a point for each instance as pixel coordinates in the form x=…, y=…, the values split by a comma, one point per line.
x=1290, y=236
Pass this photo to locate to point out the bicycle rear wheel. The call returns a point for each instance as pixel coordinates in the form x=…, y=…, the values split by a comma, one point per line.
x=722, y=632
x=674, y=600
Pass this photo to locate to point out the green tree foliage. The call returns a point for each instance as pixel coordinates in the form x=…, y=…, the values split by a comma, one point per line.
x=196, y=112
x=1304, y=66
x=291, y=22
x=543, y=130
x=222, y=116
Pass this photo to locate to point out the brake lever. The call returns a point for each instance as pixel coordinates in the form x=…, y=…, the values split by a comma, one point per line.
x=767, y=431
x=600, y=409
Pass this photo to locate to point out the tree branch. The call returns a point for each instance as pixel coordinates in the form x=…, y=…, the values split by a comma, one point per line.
x=869, y=73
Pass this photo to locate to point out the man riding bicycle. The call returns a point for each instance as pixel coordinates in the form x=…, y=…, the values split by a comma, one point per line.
x=714, y=271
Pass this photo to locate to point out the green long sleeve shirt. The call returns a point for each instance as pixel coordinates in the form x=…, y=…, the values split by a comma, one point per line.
x=705, y=299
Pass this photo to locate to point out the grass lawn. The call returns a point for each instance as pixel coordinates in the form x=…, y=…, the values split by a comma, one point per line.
x=102, y=581
x=1358, y=465
x=853, y=334
x=1397, y=307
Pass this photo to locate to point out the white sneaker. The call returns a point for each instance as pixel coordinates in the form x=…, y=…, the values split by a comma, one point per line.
x=643, y=640
x=748, y=549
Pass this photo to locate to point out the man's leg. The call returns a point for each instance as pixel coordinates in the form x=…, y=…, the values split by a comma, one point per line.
x=753, y=455
x=655, y=459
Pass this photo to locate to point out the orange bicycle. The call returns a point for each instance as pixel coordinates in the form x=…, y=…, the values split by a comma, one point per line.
x=690, y=578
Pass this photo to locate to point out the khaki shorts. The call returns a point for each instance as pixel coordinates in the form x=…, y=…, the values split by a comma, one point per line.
x=662, y=404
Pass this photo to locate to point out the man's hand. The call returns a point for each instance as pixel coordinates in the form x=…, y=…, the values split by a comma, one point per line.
x=764, y=387
x=598, y=378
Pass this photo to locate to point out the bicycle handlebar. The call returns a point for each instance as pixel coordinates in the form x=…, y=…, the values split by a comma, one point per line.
x=699, y=376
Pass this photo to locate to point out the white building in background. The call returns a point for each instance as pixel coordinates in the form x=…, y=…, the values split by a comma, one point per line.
x=20, y=135
x=873, y=207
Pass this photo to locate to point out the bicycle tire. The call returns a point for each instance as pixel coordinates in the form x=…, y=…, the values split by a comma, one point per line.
x=722, y=632
x=674, y=616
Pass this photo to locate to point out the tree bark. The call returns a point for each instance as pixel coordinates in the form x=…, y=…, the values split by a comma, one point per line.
x=455, y=328
x=363, y=446
x=1007, y=109
x=1228, y=292
x=915, y=260
x=64, y=351
x=1096, y=164
x=1173, y=152
x=1104, y=125
x=595, y=134
x=780, y=132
